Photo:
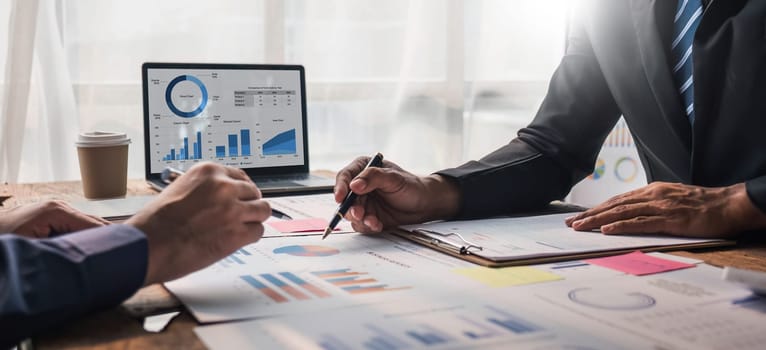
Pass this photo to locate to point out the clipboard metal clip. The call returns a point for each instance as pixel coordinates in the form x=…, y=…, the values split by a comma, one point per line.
x=462, y=249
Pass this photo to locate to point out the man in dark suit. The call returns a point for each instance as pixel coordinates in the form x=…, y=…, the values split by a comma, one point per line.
x=689, y=77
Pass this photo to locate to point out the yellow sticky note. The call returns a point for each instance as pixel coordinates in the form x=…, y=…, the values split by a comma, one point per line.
x=508, y=276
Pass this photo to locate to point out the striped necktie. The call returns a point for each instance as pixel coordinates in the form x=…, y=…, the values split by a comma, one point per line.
x=685, y=24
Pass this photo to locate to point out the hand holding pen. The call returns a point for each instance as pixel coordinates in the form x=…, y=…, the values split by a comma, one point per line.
x=389, y=196
x=375, y=161
x=171, y=174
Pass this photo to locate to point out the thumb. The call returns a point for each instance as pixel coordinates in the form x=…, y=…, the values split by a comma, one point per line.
x=381, y=179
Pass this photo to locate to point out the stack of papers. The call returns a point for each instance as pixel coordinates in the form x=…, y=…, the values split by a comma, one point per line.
x=535, y=239
x=384, y=291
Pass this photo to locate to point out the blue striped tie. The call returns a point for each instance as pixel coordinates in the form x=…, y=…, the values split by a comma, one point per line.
x=685, y=24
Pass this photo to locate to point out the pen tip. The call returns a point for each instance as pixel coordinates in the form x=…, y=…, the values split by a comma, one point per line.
x=326, y=233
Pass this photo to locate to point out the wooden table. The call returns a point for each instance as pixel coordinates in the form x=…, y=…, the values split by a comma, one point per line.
x=122, y=327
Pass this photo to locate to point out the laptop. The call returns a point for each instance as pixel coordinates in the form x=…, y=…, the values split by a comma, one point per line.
x=247, y=116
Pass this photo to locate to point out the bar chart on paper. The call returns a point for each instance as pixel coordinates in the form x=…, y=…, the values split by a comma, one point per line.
x=410, y=327
x=282, y=276
x=285, y=286
x=353, y=282
x=235, y=259
x=234, y=289
x=445, y=329
x=291, y=286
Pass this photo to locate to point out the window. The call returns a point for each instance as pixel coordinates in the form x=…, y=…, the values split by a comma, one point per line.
x=430, y=83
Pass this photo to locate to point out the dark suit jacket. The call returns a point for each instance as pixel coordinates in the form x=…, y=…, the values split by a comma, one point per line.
x=617, y=62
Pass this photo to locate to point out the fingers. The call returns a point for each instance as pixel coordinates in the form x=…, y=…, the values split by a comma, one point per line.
x=364, y=216
x=345, y=176
x=256, y=211
x=70, y=223
x=244, y=233
x=255, y=232
x=381, y=179
x=614, y=214
x=622, y=199
x=640, y=225
x=100, y=219
x=371, y=219
x=356, y=212
x=244, y=187
x=236, y=173
x=246, y=190
x=361, y=227
x=63, y=218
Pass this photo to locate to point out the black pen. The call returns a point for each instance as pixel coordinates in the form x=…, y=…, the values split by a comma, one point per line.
x=171, y=174
x=376, y=161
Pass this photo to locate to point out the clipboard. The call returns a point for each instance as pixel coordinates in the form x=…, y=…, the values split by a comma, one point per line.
x=455, y=244
x=469, y=252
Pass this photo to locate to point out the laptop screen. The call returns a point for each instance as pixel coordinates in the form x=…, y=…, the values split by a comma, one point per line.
x=245, y=116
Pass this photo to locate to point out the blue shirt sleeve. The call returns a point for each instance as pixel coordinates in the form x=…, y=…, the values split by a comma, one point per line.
x=44, y=282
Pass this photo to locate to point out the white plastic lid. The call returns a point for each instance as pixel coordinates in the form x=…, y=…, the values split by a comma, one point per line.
x=102, y=139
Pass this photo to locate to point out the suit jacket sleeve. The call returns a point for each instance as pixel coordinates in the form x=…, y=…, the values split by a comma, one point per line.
x=44, y=282
x=756, y=190
x=555, y=151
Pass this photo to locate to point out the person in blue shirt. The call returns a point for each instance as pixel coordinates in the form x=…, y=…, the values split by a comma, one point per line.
x=57, y=264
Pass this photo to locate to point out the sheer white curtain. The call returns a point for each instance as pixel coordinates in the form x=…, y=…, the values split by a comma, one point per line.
x=430, y=83
x=39, y=116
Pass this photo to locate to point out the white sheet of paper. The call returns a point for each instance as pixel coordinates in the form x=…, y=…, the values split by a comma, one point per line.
x=406, y=324
x=279, y=276
x=113, y=209
x=684, y=309
x=157, y=323
x=321, y=206
x=538, y=236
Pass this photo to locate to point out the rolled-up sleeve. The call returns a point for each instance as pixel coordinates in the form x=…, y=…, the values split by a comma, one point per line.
x=44, y=282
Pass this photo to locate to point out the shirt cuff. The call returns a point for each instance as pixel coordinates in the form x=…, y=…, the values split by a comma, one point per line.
x=114, y=261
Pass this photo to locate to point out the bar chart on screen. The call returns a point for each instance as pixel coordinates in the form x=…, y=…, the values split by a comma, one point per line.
x=184, y=151
x=237, y=145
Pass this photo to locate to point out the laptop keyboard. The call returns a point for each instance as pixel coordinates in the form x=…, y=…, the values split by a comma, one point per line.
x=282, y=180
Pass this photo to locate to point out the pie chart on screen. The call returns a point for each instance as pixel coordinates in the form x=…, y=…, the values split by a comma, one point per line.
x=306, y=250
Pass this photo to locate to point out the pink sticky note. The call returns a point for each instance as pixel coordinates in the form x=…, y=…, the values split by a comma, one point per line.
x=302, y=225
x=638, y=263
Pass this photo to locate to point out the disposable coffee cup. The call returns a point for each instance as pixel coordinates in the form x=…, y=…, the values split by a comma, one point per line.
x=103, y=163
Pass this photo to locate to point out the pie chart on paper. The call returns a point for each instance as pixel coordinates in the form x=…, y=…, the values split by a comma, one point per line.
x=607, y=299
x=306, y=250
